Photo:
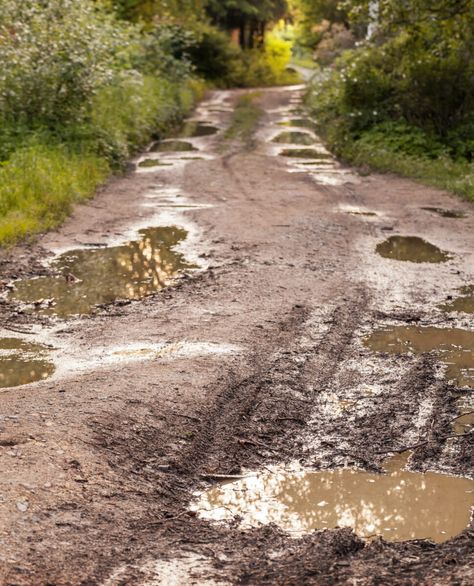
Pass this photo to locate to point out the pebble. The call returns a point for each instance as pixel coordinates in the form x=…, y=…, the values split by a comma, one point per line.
x=22, y=506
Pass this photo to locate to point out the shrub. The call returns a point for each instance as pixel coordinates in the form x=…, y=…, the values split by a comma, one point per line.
x=55, y=56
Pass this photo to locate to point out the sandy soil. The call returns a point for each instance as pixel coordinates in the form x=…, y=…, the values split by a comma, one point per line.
x=99, y=463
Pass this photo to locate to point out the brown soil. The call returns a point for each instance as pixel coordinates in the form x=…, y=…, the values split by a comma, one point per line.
x=99, y=463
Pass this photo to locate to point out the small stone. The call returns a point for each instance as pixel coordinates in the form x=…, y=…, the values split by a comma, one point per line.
x=22, y=506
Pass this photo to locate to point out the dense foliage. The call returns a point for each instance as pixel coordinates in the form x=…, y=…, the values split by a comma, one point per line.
x=408, y=88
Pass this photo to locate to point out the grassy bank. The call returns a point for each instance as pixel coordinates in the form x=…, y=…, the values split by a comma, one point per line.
x=387, y=146
x=48, y=173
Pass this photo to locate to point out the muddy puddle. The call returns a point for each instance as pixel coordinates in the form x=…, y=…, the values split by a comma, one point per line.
x=197, y=129
x=397, y=505
x=22, y=362
x=411, y=248
x=446, y=213
x=153, y=163
x=361, y=213
x=462, y=304
x=103, y=275
x=299, y=123
x=302, y=138
x=173, y=146
x=464, y=423
x=453, y=347
x=304, y=154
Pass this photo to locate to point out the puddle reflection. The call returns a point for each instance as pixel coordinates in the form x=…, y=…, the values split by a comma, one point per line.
x=454, y=347
x=22, y=363
x=195, y=129
x=302, y=138
x=89, y=277
x=304, y=154
x=153, y=163
x=398, y=505
x=411, y=248
x=173, y=146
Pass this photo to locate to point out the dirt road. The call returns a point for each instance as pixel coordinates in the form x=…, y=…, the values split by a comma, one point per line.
x=265, y=354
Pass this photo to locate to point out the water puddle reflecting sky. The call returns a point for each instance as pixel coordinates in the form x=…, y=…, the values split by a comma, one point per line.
x=411, y=248
x=89, y=277
x=453, y=347
x=23, y=362
x=398, y=505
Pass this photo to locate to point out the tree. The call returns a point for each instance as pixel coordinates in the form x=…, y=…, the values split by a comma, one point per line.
x=250, y=17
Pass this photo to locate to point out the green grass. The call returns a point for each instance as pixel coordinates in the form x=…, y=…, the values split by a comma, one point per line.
x=442, y=172
x=49, y=173
x=390, y=146
x=245, y=119
x=38, y=186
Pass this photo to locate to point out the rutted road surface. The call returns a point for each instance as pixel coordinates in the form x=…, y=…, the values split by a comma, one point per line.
x=261, y=356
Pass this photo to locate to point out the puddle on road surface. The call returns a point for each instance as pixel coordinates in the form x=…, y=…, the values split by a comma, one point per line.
x=304, y=154
x=22, y=362
x=398, y=505
x=411, y=248
x=302, y=138
x=453, y=347
x=96, y=276
x=464, y=423
x=196, y=128
x=361, y=213
x=464, y=303
x=153, y=163
x=299, y=123
x=173, y=146
x=446, y=213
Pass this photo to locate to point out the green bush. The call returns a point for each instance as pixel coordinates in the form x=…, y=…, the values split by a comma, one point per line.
x=55, y=56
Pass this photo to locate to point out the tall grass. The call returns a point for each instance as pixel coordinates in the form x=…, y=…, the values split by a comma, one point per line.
x=39, y=184
x=43, y=178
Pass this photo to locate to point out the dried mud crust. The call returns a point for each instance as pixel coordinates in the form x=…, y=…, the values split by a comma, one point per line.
x=293, y=283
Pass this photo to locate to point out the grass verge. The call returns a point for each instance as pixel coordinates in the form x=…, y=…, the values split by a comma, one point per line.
x=50, y=172
x=388, y=146
x=442, y=172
